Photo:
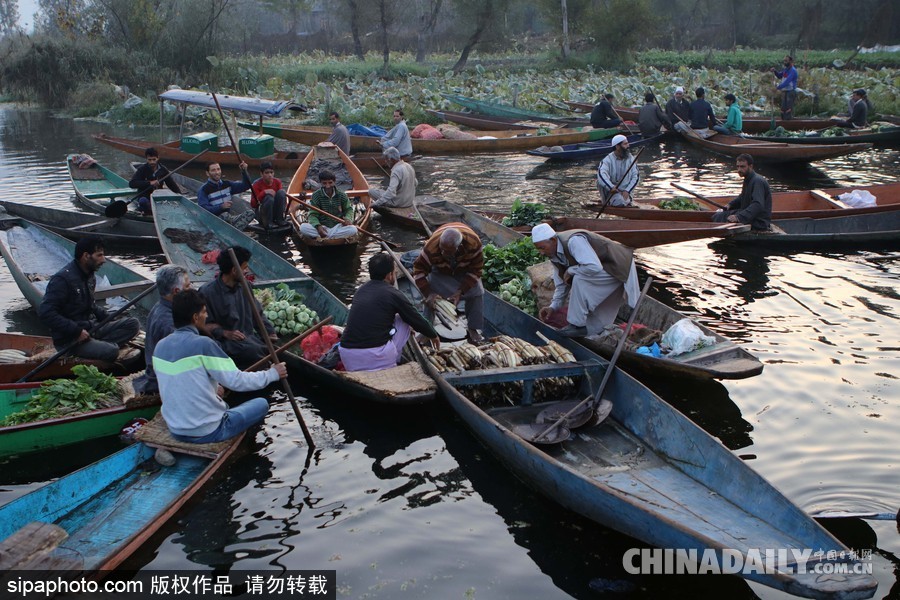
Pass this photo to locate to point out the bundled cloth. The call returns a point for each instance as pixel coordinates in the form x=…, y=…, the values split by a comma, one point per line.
x=367, y=131
x=83, y=161
x=424, y=131
x=453, y=133
x=858, y=199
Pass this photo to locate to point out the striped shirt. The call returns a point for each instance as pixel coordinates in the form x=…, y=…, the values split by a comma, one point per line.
x=467, y=262
x=338, y=205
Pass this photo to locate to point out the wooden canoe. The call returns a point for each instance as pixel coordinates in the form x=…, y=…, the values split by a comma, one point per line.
x=75, y=225
x=646, y=471
x=270, y=269
x=402, y=216
x=362, y=210
x=882, y=136
x=171, y=152
x=589, y=149
x=733, y=145
x=750, y=124
x=498, y=109
x=812, y=204
x=38, y=348
x=61, y=431
x=34, y=255
x=110, y=508
x=847, y=230
x=486, y=141
x=723, y=360
x=96, y=186
x=495, y=123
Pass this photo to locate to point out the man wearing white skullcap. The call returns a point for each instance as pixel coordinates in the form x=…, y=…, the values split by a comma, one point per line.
x=593, y=273
x=678, y=108
x=616, y=177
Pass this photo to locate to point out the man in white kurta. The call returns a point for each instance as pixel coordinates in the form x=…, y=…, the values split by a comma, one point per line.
x=595, y=290
x=616, y=177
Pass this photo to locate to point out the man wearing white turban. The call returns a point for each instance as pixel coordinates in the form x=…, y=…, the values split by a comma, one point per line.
x=596, y=274
x=616, y=178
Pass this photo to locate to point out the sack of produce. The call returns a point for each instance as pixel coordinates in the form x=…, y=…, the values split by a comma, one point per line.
x=453, y=133
x=424, y=131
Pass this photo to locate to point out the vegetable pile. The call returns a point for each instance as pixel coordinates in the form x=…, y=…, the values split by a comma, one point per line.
x=504, y=272
x=518, y=293
x=56, y=398
x=679, y=203
x=284, y=308
x=525, y=214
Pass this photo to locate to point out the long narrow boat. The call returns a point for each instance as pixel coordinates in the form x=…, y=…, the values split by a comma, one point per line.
x=722, y=360
x=403, y=385
x=851, y=136
x=588, y=149
x=35, y=349
x=96, y=186
x=61, y=431
x=362, y=210
x=647, y=470
x=171, y=152
x=849, y=230
x=733, y=145
x=485, y=141
x=812, y=204
x=110, y=508
x=75, y=225
x=498, y=109
x=34, y=255
x=494, y=123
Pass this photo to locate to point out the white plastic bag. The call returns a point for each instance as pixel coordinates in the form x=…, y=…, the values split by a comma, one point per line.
x=684, y=336
x=858, y=199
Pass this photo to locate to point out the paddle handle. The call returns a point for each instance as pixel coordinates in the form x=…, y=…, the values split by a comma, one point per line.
x=624, y=175
x=309, y=206
x=700, y=196
x=231, y=138
x=96, y=327
x=264, y=335
x=595, y=400
x=624, y=124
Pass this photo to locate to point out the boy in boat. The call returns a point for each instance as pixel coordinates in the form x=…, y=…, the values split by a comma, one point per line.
x=189, y=368
x=269, y=198
x=231, y=321
x=450, y=266
x=594, y=273
x=333, y=201
x=216, y=196
x=401, y=191
x=69, y=310
x=150, y=177
x=753, y=205
x=380, y=321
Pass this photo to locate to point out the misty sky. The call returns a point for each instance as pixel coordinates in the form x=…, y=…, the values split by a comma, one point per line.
x=27, y=8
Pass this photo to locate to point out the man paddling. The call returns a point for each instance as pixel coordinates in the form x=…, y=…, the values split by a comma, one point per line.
x=216, y=196
x=753, y=205
x=593, y=273
x=616, y=178
x=150, y=177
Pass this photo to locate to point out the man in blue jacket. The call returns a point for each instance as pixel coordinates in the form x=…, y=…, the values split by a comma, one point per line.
x=787, y=86
x=69, y=310
x=216, y=196
x=189, y=367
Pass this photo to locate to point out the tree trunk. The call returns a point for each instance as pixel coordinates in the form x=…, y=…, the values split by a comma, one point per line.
x=565, y=28
x=354, y=30
x=385, y=49
x=487, y=11
x=427, y=31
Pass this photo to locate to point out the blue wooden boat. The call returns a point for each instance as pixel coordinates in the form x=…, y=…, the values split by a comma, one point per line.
x=647, y=470
x=845, y=230
x=269, y=269
x=588, y=149
x=110, y=508
x=96, y=186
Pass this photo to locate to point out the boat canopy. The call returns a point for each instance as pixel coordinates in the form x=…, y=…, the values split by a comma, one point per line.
x=256, y=106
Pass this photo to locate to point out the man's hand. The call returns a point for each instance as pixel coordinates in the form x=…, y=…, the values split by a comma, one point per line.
x=545, y=313
x=220, y=391
x=455, y=298
x=322, y=231
x=567, y=276
x=242, y=166
x=155, y=184
x=732, y=219
x=435, y=343
x=83, y=336
x=281, y=368
x=226, y=205
x=273, y=337
x=233, y=335
x=431, y=299
x=626, y=195
x=269, y=192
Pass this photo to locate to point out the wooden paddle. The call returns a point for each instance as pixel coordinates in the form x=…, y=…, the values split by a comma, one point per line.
x=615, y=112
x=92, y=330
x=624, y=175
x=234, y=146
x=700, y=196
x=596, y=398
x=117, y=208
x=309, y=206
x=264, y=335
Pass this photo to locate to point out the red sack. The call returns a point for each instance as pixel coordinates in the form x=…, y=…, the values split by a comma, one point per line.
x=425, y=131
x=210, y=257
x=319, y=342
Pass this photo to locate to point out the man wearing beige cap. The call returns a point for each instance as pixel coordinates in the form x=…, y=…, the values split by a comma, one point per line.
x=678, y=108
x=616, y=178
x=594, y=273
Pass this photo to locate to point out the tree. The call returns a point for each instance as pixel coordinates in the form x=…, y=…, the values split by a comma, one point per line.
x=564, y=14
x=428, y=19
x=353, y=5
x=9, y=16
x=486, y=10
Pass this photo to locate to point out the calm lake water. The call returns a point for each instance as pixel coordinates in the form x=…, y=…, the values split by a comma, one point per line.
x=406, y=504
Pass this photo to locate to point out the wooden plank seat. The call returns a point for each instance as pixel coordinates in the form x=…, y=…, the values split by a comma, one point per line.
x=156, y=434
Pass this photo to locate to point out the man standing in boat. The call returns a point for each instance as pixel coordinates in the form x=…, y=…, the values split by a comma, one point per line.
x=401, y=191
x=450, y=266
x=69, y=310
x=380, y=321
x=170, y=280
x=232, y=323
x=269, y=198
x=190, y=367
x=150, y=177
x=216, y=196
x=787, y=86
x=616, y=176
x=398, y=136
x=594, y=273
x=753, y=205
x=340, y=137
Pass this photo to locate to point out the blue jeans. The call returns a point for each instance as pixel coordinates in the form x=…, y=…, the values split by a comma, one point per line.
x=725, y=130
x=235, y=421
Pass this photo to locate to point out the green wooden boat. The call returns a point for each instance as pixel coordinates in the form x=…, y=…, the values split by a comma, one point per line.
x=59, y=432
x=269, y=269
x=96, y=186
x=498, y=109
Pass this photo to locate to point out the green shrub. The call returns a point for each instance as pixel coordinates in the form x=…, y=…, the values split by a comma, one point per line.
x=92, y=98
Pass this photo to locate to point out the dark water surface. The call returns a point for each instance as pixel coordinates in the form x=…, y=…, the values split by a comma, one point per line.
x=406, y=504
